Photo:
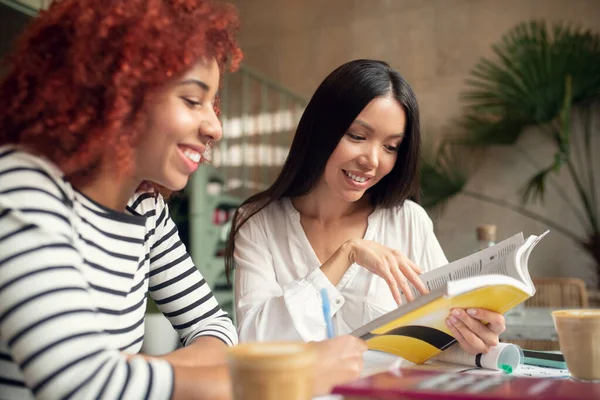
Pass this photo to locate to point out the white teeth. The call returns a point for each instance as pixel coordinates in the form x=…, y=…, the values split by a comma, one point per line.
x=356, y=178
x=192, y=155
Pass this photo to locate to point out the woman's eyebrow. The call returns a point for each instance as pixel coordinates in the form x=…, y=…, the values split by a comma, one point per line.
x=365, y=124
x=197, y=82
x=371, y=129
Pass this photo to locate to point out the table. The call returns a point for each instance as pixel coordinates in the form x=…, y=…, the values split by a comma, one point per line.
x=532, y=324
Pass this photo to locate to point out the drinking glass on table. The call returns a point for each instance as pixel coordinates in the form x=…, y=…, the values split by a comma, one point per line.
x=579, y=340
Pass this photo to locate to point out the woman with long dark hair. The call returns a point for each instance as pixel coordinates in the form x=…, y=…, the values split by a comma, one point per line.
x=339, y=217
x=107, y=106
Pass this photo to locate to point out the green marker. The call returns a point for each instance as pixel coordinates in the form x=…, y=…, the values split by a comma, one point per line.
x=506, y=368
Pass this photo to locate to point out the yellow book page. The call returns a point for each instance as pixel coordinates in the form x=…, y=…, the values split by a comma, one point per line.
x=422, y=334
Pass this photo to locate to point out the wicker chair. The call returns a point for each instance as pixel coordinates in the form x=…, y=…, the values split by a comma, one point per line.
x=555, y=293
x=559, y=293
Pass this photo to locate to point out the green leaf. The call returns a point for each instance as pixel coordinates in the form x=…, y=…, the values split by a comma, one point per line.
x=565, y=120
x=523, y=84
x=444, y=174
x=535, y=189
x=481, y=130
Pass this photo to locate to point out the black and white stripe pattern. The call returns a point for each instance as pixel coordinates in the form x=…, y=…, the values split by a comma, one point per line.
x=73, y=283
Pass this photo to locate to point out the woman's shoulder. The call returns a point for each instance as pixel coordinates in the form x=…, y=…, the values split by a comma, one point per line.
x=24, y=172
x=268, y=219
x=146, y=203
x=273, y=211
x=409, y=212
x=15, y=158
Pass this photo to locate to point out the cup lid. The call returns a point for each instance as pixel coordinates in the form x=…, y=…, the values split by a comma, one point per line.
x=272, y=354
x=577, y=313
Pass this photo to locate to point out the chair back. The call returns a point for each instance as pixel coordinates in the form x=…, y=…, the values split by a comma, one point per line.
x=559, y=293
x=554, y=293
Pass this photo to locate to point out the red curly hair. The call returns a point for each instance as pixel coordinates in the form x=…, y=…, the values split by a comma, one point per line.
x=81, y=74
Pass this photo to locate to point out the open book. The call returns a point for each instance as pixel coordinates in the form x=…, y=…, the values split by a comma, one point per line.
x=496, y=279
x=429, y=384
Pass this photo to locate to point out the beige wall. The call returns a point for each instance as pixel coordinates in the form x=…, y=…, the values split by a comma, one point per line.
x=433, y=43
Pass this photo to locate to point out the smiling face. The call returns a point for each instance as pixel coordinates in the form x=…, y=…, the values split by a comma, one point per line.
x=367, y=152
x=181, y=125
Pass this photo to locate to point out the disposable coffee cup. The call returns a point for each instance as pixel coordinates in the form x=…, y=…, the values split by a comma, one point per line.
x=272, y=370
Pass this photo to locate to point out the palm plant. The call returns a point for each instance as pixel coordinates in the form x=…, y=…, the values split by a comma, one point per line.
x=540, y=77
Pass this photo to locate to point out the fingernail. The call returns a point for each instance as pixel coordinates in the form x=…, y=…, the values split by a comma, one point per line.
x=454, y=320
x=456, y=312
x=471, y=311
x=448, y=322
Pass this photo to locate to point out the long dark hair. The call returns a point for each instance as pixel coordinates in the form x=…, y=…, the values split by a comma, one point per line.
x=330, y=112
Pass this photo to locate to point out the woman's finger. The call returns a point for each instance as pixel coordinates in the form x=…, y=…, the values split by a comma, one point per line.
x=415, y=279
x=422, y=288
x=485, y=334
x=400, y=278
x=473, y=341
x=414, y=267
x=402, y=258
x=495, y=321
x=459, y=338
x=389, y=278
x=409, y=269
x=403, y=284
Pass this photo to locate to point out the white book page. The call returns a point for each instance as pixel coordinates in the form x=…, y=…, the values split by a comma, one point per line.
x=493, y=260
x=518, y=264
x=378, y=361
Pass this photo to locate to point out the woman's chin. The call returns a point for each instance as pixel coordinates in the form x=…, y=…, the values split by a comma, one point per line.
x=175, y=184
x=352, y=197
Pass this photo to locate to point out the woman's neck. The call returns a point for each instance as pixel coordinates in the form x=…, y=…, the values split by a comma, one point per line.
x=320, y=207
x=110, y=190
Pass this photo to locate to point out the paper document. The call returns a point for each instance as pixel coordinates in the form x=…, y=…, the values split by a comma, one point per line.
x=379, y=361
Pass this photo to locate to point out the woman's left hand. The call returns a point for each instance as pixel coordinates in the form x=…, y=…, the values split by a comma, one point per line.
x=476, y=329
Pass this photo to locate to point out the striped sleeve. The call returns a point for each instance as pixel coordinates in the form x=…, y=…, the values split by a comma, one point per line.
x=179, y=290
x=47, y=317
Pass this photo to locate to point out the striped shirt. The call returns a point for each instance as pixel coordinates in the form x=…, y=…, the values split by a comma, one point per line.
x=73, y=282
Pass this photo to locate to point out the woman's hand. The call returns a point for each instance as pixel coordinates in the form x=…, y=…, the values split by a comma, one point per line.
x=476, y=329
x=390, y=264
x=339, y=360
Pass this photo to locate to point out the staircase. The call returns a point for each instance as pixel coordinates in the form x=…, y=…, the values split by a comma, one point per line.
x=259, y=120
x=27, y=7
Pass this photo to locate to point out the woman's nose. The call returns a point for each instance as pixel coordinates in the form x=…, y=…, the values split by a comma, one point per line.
x=211, y=127
x=370, y=159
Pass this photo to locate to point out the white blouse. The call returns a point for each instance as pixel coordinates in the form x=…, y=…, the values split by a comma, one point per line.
x=278, y=277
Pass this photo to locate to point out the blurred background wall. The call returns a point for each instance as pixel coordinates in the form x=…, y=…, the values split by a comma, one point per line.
x=434, y=44
x=294, y=44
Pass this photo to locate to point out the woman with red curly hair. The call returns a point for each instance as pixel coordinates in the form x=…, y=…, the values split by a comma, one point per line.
x=105, y=105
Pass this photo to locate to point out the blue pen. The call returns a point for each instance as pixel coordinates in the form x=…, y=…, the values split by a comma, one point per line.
x=327, y=313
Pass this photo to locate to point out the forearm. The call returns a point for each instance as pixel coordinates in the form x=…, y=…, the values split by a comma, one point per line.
x=201, y=383
x=200, y=370
x=294, y=308
x=203, y=352
x=337, y=265
x=256, y=323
